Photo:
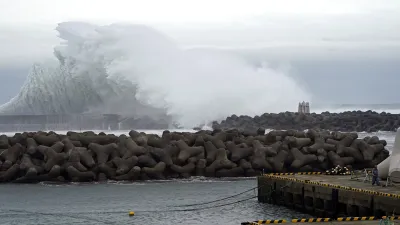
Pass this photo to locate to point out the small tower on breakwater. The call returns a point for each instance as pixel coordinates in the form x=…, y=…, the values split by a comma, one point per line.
x=304, y=107
x=307, y=107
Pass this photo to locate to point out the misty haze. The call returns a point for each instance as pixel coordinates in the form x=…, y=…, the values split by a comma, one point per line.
x=196, y=69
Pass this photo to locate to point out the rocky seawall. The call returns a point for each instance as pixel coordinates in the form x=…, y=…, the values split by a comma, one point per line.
x=351, y=121
x=85, y=157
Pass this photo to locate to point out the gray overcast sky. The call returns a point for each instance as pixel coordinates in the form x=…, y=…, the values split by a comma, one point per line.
x=351, y=46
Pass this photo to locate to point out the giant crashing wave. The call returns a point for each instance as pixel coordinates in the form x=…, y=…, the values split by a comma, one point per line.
x=134, y=70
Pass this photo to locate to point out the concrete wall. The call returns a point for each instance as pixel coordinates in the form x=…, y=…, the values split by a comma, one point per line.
x=58, y=122
x=12, y=123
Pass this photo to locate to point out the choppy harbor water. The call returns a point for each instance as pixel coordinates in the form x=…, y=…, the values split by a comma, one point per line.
x=153, y=202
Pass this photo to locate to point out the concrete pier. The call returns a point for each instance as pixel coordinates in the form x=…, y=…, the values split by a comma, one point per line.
x=328, y=196
x=359, y=222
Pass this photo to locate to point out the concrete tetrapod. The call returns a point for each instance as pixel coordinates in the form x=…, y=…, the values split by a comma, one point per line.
x=87, y=156
x=368, y=121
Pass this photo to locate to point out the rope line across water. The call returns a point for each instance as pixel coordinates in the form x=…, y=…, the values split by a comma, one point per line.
x=77, y=215
x=218, y=200
x=71, y=214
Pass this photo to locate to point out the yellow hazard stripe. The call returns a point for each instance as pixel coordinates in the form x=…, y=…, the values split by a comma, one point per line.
x=269, y=221
x=311, y=220
x=356, y=218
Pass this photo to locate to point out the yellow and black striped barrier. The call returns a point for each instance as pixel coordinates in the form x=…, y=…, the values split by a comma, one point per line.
x=388, y=195
x=298, y=173
x=269, y=221
x=280, y=174
x=391, y=217
x=278, y=177
x=357, y=218
x=263, y=222
x=318, y=220
x=311, y=220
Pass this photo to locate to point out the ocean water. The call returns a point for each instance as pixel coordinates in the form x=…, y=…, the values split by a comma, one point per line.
x=154, y=202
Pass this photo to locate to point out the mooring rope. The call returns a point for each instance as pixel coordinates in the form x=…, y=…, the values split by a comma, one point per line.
x=218, y=200
x=78, y=215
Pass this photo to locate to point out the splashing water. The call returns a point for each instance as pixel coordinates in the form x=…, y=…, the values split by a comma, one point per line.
x=134, y=69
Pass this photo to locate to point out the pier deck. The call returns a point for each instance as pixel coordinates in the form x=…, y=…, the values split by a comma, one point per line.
x=359, y=222
x=374, y=222
x=345, y=180
x=329, y=196
x=363, y=222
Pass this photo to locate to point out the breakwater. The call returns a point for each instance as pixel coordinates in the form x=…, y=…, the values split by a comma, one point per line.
x=86, y=156
x=351, y=121
x=82, y=122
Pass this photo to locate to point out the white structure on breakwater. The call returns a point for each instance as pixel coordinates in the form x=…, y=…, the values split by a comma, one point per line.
x=390, y=167
x=304, y=107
